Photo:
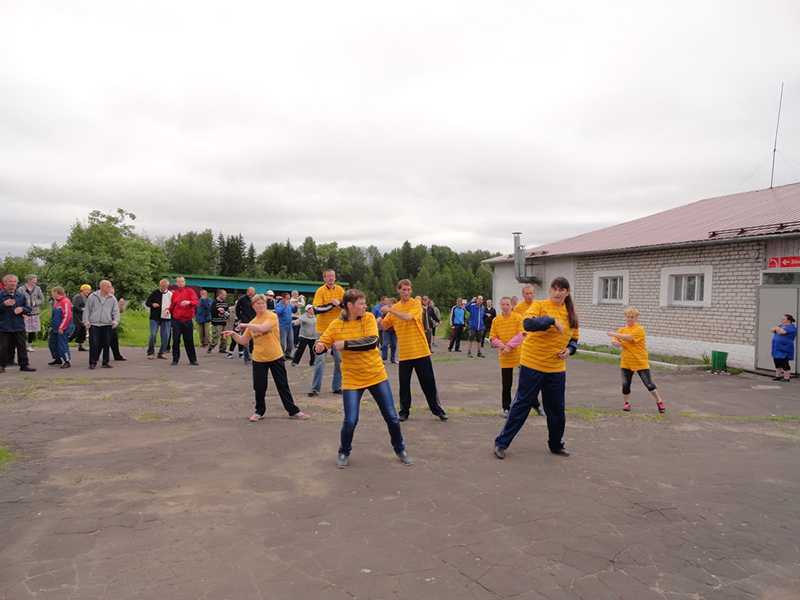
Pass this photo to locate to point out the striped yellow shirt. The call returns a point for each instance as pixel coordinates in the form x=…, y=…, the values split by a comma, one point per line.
x=411, y=340
x=325, y=295
x=506, y=328
x=522, y=307
x=540, y=348
x=360, y=368
x=266, y=346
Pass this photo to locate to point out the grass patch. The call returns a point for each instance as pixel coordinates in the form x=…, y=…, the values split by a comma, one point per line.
x=6, y=457
x=689, y=414
x=667, y=358
x=593, y=358
x=149, y=417
x=438, y=358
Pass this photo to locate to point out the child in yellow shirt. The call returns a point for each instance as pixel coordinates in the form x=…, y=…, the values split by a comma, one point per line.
x=506, y=335
x=631, y=339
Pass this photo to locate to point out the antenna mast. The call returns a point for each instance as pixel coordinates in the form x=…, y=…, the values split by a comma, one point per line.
x=775, y=145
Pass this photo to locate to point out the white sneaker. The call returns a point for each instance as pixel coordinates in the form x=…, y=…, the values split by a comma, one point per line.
x=31, y=349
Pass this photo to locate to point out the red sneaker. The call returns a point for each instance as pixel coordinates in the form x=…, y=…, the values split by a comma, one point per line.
x=627, y=406
x=661, y=408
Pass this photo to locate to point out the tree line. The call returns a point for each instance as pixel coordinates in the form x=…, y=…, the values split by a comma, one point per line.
x=108, y=246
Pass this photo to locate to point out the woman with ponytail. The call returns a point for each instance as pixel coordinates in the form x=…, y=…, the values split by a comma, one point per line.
x=552, y=336
x=355, y=335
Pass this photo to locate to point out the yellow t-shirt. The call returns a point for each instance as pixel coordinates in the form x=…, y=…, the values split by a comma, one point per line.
x=360, y=368
x=522, y=307
x=506, y=328
x=411, y=340
x=324, y=295
x=266, y=346
x=540, y=348
x=634, y=353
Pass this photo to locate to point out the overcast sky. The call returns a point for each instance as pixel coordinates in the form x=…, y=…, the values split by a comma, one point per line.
x=374, y=122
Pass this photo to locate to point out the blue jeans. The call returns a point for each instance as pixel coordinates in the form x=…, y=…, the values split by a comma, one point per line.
x=382, y=393
x=165, y=327
x=389, y=345
x=552, y=386
x=59, y=343
x=319, y=371
x=287, y=340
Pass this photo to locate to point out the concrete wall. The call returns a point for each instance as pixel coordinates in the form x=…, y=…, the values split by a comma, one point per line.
x=504, y=282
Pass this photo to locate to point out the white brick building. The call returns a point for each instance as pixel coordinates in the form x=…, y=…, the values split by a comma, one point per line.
x=711, y=275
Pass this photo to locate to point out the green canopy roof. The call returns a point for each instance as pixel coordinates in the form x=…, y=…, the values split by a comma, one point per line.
x=214, y=282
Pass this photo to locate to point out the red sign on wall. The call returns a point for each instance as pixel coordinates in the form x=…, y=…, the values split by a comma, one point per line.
x=783, y=262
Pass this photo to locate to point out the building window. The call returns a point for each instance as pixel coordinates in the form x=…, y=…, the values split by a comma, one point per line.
x=610, y=287
x=686, y=286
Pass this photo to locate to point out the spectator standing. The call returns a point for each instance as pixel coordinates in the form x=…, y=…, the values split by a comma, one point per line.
x=308, y=336
x=376, y=310
x=220, y=311
x=283, y=309
x=13, y=309
x=783, y=337
x=429, y=321
x=245, y=314
x=389, y=344
x=438, y=320
x=476, y=311
x=488, y=318
x=78, y=304
x=35, y=298
x=123, y=304
x=204, y=317
x=458, y=316
x=297, y=310
x=184, y=305
x=100, y=317
x=61, y=327
x=159, y=302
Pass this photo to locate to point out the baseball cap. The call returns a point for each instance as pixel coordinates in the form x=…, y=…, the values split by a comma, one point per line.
x=270, y=293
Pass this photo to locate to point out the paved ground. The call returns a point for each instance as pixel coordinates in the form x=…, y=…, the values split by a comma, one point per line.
x=146, y=481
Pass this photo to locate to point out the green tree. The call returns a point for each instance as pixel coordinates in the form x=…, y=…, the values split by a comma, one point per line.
x=192, y=252
x=106, y=247
x=250, y=261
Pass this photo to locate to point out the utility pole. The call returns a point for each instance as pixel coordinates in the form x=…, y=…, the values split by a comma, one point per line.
x=775, y=145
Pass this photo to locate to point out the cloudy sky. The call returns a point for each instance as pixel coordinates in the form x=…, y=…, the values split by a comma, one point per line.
x=374, y=122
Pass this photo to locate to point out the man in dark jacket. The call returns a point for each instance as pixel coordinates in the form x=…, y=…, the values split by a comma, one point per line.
x=13, y=309
x=245, y=314
x=78, y=304
x=488, y=317
x=220, y=311
x=159, y=303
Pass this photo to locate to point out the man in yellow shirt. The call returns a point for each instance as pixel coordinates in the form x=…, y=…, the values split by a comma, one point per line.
x=327, y=306
x=528, y=296
x=405, y=317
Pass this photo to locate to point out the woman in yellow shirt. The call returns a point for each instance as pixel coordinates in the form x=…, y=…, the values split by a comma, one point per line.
x=552, y=336
x=267, y=356
x=506, y=335
x=631, y=339
x=355, y=335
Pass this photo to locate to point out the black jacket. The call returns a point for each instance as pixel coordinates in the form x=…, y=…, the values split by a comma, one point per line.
x=244, y=309
x=220, y=311
x=155, y=298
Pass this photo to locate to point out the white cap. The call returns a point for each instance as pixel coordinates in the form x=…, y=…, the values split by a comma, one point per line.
x=270, y=293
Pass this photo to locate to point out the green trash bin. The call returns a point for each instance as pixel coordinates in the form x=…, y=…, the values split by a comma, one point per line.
x=719, y=360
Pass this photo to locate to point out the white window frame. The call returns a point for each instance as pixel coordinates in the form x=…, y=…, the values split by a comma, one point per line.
x=667, y=291
x=598, y=276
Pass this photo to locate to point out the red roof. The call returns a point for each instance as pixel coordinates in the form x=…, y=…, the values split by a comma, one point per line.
x=724, y=217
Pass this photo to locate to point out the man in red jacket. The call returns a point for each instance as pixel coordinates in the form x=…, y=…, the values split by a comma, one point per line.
x=183, y=306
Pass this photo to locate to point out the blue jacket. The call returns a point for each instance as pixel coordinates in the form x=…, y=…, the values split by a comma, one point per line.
x=203, y=314
x=376, y=310
x=457, y=315
x=9, y=322
x=284, y=312
x=783, y=345
x=476, y=314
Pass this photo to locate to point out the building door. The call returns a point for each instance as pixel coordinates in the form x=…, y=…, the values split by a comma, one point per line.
x=773, y=303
